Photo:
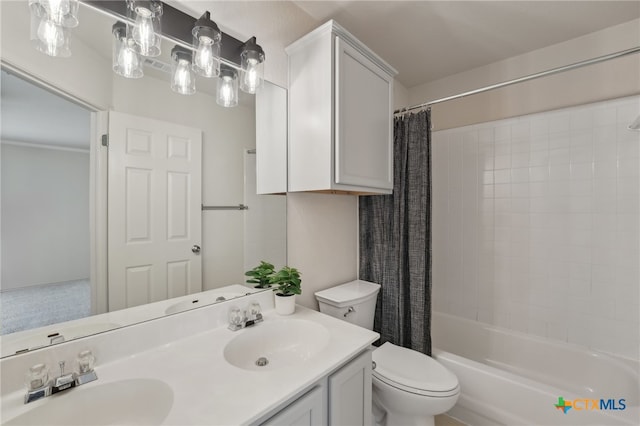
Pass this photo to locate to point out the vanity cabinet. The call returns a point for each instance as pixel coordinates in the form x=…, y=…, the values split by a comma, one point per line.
x=342, y=398
x=308, y=410
x=340, y=115
x=350, y=393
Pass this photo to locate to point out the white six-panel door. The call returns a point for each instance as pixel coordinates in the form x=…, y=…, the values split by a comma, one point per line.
x=154, y=210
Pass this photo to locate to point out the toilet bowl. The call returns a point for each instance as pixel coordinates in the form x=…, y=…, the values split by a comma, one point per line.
x=409, y=387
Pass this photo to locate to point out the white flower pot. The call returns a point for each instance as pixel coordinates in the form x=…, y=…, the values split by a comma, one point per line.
x=285, y=305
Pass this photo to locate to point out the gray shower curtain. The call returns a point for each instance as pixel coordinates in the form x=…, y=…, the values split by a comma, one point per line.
x=395, y=239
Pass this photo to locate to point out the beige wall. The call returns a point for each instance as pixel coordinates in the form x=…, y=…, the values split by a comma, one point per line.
x=400, y=95
x=322, y=236
x=611, y=79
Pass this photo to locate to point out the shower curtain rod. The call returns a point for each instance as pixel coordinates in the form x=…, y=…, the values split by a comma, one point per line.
x=523, y=79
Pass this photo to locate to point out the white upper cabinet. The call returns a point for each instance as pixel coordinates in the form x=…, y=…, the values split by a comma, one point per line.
x=340, y=115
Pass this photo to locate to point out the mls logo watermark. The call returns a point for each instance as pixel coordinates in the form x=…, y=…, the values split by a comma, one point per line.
x=590, y=404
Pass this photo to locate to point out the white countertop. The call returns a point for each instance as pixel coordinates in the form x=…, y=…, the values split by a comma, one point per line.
x=209, y=390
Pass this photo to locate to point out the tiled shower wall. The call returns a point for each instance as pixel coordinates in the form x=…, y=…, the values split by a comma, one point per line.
x=536, y=224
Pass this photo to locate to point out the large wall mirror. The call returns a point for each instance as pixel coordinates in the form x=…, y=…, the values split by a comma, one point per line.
x=64, y=195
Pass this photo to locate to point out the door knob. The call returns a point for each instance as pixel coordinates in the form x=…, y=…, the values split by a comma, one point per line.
x=196, y=249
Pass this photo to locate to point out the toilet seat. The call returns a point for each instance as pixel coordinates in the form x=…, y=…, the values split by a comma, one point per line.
x=413, y=372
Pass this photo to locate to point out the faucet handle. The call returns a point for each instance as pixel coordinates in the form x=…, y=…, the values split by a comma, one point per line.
x=38, y=384
x=236, y=318
x=86, y=361
x=255, y=311
x=37, y=376
x=86, y=373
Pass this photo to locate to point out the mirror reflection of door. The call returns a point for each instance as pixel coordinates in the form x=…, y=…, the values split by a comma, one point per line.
x=45, y=202
x=154, y=200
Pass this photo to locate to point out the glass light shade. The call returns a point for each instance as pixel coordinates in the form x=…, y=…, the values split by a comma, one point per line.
x=252, y=74
x=227, y=94
x=146, y=29
x=206, y=58
x=206, y=40
x=61, y=12
x=252, y=67
x=49, y=37
x=125, y=59
x=183, y=79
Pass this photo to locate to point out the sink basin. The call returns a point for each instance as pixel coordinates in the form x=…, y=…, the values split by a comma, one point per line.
x=281, y=343
x=130, y=402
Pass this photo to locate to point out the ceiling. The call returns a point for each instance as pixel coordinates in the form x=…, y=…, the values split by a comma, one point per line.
x=429, y=40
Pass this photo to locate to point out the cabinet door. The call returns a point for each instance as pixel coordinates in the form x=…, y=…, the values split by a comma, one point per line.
x=308, y=410
x=363, y=133
x=350, y=393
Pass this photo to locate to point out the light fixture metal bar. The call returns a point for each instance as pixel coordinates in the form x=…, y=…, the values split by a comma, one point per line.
x=176, y=27
x=525, y=78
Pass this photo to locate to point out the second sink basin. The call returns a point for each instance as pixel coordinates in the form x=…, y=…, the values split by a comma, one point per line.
x=275, y=344
x=126, y=402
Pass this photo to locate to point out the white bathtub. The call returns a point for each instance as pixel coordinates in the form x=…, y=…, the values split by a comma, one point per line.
x=511, y=378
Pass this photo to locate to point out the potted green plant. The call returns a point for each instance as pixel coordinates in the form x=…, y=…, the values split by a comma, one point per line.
x=261, y=275
x=287, y=284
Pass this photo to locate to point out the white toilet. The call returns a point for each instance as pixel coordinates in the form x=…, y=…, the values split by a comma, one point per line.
x=409, y=387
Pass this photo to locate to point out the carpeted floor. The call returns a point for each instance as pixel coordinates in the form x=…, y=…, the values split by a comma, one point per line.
x=41, y=305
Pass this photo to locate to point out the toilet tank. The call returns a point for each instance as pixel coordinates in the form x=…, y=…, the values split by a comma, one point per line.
x=354, y=302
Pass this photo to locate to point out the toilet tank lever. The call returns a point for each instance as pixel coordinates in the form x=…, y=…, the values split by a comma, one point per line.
x=350, y=310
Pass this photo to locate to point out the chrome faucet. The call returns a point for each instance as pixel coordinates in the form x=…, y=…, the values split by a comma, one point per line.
x=238, y=318
x=39, y=385
x=63, y=381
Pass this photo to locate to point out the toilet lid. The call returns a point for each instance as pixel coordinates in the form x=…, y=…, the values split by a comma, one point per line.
x=412, y=371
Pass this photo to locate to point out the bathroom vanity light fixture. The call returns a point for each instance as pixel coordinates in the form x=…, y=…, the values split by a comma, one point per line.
x=201, y=47
x=183, y=79
x=252, y=66
x=227, y=94
x=126, y=59
x=206, y=41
